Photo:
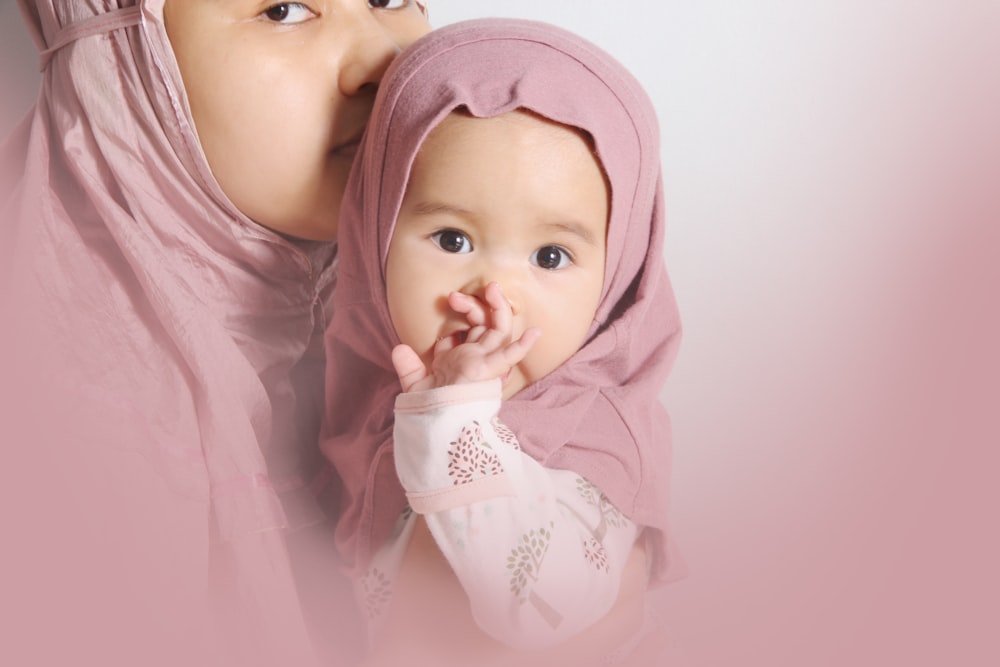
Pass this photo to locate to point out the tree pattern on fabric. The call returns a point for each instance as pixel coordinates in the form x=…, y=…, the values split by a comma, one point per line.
x=594, y=496
x=471, y=457
x=593, y=548
x=525, y=560
x=377, y=591
x=505, y=434
x=524, y=564
x=595, y=554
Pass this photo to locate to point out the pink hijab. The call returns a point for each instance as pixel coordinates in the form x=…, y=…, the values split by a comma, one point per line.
x=162, y=355
x=597, y=414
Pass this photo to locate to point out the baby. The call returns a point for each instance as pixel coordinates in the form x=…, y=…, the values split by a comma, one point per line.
x=501, y=264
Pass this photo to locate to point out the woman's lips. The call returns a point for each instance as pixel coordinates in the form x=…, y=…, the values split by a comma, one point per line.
x=348, y=148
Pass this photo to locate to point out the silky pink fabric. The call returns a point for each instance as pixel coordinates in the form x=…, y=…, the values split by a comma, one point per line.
x=161, y=361
x=598, y=414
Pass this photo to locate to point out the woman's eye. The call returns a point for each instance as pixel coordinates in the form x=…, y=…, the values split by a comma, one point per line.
x=289, y=13
x=388, y=4
x=451, y=240
x=551, y=257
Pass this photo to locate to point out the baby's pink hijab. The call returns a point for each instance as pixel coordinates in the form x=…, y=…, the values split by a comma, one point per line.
x=162, y=352
x=598, y=414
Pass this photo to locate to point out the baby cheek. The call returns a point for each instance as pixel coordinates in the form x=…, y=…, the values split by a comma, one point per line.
x=550, y=351
x=441, y=309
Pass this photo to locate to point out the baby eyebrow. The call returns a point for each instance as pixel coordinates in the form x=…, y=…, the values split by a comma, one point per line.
x=575, y=228
x=438, y=208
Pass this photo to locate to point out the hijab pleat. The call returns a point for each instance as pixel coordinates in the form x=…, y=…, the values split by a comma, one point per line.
x=163, y=351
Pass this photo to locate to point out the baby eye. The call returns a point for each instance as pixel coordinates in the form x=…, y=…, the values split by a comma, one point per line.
x=551, y=257
x=388, y=4
x=452, y=240
x=289, y=13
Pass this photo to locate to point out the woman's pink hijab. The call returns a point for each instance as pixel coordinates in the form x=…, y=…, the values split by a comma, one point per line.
x=161, y=354
x=598, y=414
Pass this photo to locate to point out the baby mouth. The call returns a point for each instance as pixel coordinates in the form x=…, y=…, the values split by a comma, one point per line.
x=455, y=337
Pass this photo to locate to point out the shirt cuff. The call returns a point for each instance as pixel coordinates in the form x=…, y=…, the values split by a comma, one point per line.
x=452, y=394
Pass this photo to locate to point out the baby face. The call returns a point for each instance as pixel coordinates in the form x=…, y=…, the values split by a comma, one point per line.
x=280, y=93
x=516, y=200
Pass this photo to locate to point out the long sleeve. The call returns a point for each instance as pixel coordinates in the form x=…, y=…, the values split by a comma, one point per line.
x=539, y=552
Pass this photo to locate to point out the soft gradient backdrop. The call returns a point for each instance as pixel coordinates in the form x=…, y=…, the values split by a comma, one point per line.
x=832, y=172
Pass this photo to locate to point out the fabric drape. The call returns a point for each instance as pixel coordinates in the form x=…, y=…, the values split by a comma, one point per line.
x=162, y=359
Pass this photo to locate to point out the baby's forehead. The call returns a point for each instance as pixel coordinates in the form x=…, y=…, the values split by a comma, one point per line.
x=460, y=121
x=514, y=172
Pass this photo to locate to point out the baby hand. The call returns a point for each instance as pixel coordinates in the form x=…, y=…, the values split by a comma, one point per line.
x=486, y=352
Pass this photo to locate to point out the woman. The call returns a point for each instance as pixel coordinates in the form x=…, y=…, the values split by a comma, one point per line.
x=169, y=209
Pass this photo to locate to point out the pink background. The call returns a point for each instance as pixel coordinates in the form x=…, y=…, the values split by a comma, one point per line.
x=831, y=172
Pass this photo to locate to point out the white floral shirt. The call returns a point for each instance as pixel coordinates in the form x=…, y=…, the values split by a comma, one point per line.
x=540, y=552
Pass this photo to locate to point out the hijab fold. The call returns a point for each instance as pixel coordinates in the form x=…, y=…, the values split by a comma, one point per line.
x=599, y=413
x=164, y=352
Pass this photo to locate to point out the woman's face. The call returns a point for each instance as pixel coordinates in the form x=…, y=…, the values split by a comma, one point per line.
x=280, y=93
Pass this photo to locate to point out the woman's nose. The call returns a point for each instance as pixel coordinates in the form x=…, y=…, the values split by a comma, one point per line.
x=370, y=51
x=373, y=43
